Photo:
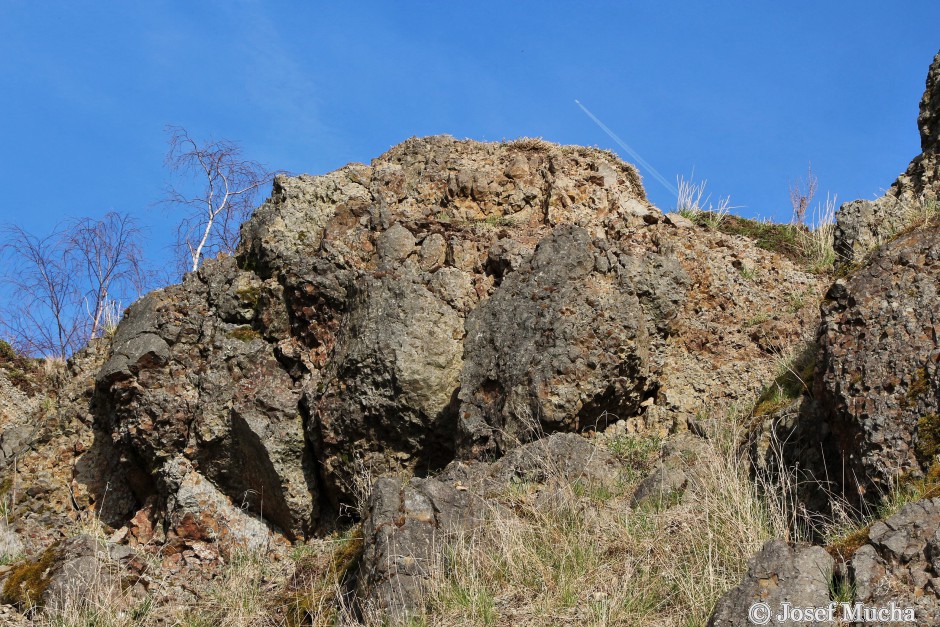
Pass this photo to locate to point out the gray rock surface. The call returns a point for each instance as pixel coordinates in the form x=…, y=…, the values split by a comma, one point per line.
x=403, y=531
x=89, y=571
x=921, y=181
x=778, y=573
x=559, y=346
x=11, y=545
x=197, y=511
x=877, y=383
x=901, y=562
x=864, y=225
x=190, y=375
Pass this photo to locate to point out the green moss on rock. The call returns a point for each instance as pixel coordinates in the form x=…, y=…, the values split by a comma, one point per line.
x=928, y=439
x=250, y=295
x=28, y=580
x=919, y=388
x=243, y=334
x=846, y=546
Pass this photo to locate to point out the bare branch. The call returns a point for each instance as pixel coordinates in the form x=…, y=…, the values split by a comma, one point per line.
x=220, y=194
x=801, y=195
x=110, y=252
x=64, y=287
x=41, y=275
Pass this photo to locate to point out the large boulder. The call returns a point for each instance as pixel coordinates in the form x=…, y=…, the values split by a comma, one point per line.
x=73, y=576
x=404, y=529
x=877, y=386
x=194, y=372
x=450, y=300
x=777, y=574
x=562, y=344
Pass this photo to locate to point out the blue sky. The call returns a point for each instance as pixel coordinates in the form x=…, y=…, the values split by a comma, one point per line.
x=746, y=93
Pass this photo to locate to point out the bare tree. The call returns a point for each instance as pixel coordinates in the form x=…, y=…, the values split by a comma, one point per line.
x=226, y=185
x=109, y=251
x=40, y=319
x=801, y=194
x=63, y=289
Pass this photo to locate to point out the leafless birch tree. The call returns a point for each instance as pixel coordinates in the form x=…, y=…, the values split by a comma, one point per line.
x=64, y=289
x=218, y=194
x=109, y=253
x=40, y=273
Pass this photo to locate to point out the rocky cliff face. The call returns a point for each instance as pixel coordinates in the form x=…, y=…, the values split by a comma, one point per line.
x=462, y=332
x=871, y=418
x=867, y=434
x=878, y=381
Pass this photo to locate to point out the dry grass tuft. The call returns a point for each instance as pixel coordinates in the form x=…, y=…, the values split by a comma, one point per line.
x=692, y=200
x=587, y=558
x=241, y=596
x=818, y=240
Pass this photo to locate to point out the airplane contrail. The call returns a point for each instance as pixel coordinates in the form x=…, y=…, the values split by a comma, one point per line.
x=630, y=151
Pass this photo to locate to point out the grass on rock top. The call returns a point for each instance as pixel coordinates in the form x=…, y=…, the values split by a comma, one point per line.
x=789, y=240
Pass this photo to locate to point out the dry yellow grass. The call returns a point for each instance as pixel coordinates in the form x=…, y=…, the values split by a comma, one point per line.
x=589, y=559
x=583, y=557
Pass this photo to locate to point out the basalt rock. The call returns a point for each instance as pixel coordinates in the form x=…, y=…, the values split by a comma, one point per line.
x=863, y=225
x=194, y=372
x=900, y=564
x=777, y=574
x=562, y=344
x=877, y=385
x=450, y=300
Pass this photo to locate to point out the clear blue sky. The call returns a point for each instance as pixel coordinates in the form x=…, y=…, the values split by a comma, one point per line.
x=746, y=93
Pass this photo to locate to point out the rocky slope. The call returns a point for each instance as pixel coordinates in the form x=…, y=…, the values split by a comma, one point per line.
x=450, y=301
x=401, y=353
x=864, y=436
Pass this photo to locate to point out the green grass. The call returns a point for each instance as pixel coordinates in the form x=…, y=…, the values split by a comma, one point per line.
x=638, y=453
x=756, y=320
x=795, y=242
x=794, y=378
x=243, y=334
x=844, y=539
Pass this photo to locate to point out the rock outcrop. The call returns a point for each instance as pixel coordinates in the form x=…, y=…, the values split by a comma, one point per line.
x=868, y=429
x=190, y=377
x=863, y=225
x=922, y=179
x=877, y=383
x=779, y=573
x=868, y=418
x=450, y=301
